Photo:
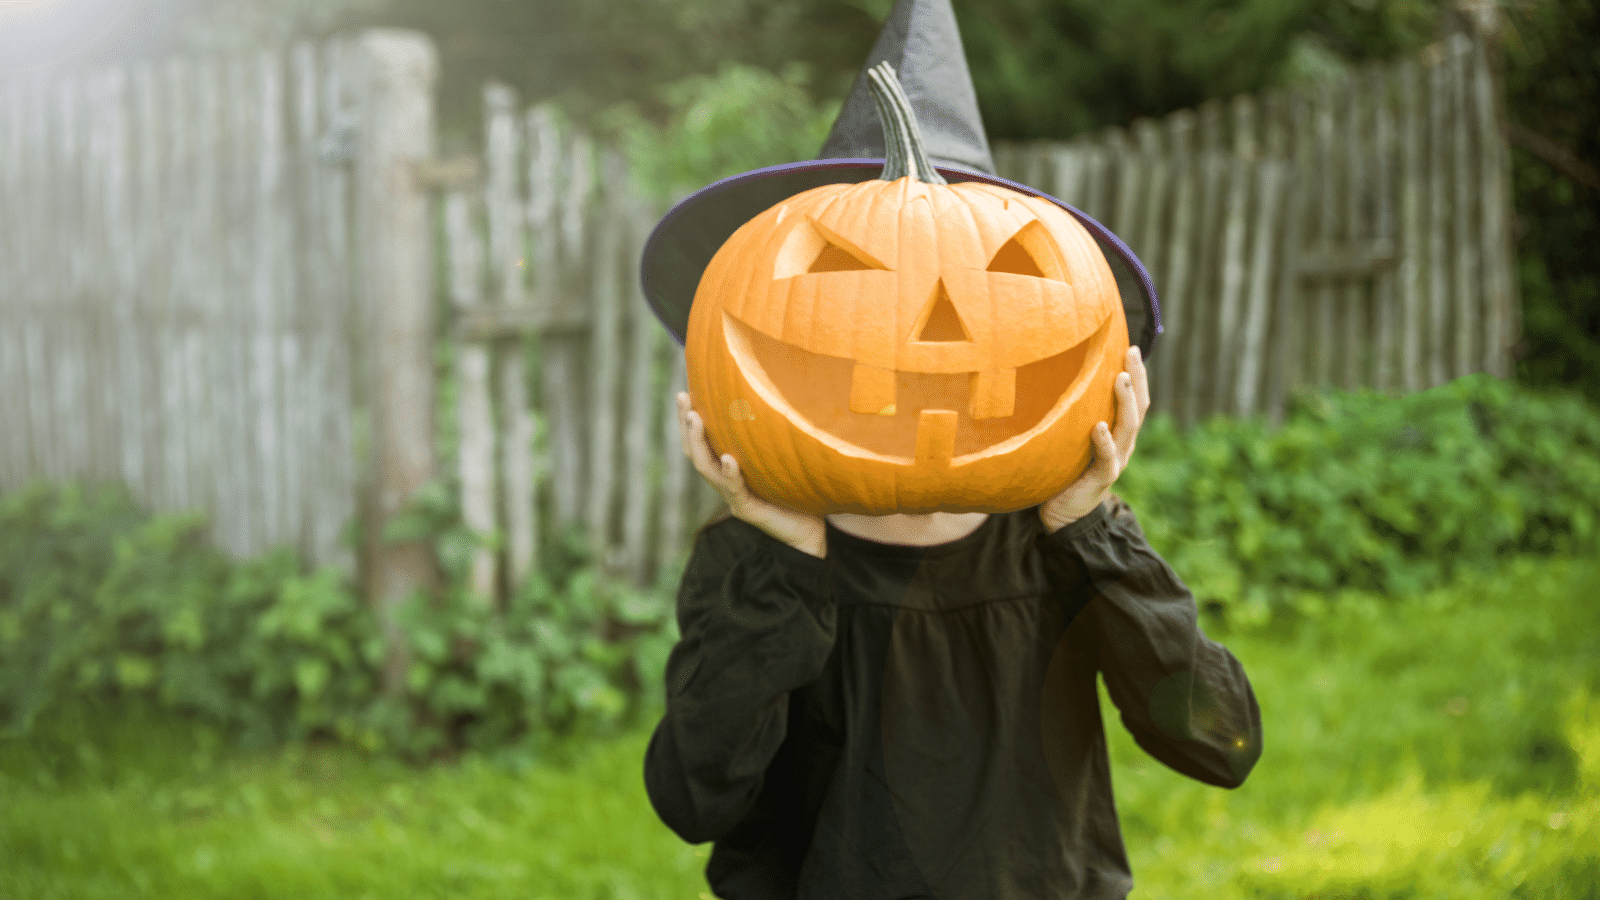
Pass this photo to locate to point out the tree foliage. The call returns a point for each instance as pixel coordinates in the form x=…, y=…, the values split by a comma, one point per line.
x=1553, y=89
x=1057, y=69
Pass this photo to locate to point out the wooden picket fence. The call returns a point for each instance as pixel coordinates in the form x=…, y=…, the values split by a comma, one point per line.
x=216, y=289
x=1356, y=236
x=215, y=285
x=175, y=262
x=543, y=273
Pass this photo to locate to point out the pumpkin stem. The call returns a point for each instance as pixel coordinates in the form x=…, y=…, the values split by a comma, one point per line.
x=902, y=140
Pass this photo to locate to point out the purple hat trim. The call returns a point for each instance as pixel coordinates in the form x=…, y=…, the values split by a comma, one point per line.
x=680, y=248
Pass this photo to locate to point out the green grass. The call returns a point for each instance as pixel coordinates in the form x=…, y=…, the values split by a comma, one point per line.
x=1444, y=748
x=166, y=814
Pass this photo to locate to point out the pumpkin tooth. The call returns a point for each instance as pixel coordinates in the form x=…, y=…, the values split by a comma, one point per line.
x=872, y=390
x=994, y=393
x=936, y=437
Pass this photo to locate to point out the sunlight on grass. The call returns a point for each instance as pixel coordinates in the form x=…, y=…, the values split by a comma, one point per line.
x=1448, y=844
x=1448, y=747
x=327, y=823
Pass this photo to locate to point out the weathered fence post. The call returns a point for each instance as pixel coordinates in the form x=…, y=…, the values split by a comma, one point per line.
x=508, y=254
x=605, y=355
x=397, y=305
x=1502, y=325
x=474, y=404
x=645, y=335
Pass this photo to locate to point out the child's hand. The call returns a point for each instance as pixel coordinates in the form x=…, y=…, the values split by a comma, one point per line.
x=1110, y=456
x=800, y=530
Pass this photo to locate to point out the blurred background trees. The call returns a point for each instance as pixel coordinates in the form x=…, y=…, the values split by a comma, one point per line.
x=700, y=89
x=1553, y=107
x=1043, y=68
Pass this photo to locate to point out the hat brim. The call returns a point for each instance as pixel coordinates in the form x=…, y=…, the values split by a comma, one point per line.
x=689, y=235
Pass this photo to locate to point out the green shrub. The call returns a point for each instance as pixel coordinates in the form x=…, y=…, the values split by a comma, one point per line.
x=97, y=596
x=1367, y=492
x=100, y=598
x=569, y=652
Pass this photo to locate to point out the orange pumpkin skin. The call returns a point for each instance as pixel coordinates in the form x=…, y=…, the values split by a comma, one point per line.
x=903, y=347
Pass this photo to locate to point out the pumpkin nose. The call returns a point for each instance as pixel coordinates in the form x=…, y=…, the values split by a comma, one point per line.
x=940, y=322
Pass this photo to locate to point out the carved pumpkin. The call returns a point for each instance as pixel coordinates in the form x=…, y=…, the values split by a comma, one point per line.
x=906, y=345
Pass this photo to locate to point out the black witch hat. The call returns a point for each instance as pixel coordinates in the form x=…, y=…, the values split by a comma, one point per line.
x=921, y=42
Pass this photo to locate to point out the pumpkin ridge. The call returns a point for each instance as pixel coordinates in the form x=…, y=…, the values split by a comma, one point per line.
x=954, y=204
x=917, y=227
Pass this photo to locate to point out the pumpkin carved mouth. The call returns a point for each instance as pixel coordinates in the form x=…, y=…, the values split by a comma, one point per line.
x=814, y=391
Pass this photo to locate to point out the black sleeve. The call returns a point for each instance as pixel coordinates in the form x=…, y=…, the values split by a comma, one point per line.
x=1183, y=697
x=756, y=621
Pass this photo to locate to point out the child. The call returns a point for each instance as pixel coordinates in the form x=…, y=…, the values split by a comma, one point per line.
x=904, y=706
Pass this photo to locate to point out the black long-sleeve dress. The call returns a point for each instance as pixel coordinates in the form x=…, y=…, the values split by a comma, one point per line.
x=921, y=722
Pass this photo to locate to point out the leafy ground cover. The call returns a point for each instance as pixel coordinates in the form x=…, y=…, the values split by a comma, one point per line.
x=1443, y=747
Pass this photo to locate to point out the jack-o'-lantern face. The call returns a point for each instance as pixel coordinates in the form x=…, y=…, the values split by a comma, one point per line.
x=907, y=347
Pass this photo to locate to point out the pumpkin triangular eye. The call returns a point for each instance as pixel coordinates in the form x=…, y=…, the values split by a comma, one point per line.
x=835, y=258
x=810, y=247
x=1029, y=252
x=1014, y=258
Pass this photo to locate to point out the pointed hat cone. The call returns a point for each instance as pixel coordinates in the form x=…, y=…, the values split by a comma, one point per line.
x=921, y=41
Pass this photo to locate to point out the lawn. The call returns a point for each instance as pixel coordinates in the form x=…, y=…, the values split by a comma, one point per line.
x=1448, y=747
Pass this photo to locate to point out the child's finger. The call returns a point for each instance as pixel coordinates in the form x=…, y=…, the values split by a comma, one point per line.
x=1127, y=413
x=683, y=425
x=1141, y=379
x=686, y=421
x=733, y=487
x=699, y=450
x=694, y=441
x=1105, y=463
